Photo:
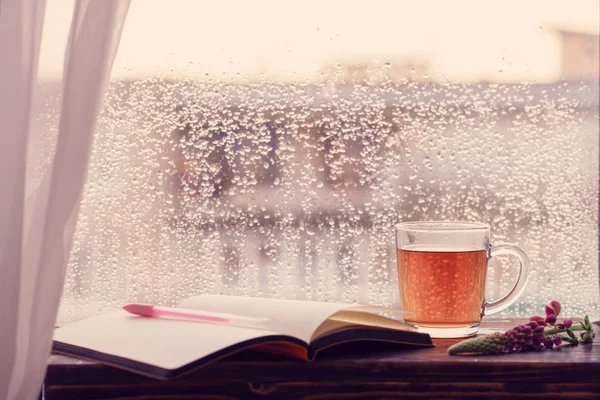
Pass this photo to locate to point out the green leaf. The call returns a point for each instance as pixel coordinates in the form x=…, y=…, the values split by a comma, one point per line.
x=566, y=339
x=571, y=334
x=583, y=324
x=587, y=337
x=587, y=322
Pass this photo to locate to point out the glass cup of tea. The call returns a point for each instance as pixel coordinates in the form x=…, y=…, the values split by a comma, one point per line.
x=442, y=269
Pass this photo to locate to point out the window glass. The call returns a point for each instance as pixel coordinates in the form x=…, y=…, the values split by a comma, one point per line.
x=264, y=148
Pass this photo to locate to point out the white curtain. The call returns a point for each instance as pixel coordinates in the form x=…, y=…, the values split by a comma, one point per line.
x=36, y=231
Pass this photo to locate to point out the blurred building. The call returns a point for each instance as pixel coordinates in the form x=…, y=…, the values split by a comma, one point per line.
x=580, y=54
x=392, y=71
x=231, y=159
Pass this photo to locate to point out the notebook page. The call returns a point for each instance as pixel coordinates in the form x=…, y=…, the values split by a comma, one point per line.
x=295, y=318
x=167, y=344
x=352, y=318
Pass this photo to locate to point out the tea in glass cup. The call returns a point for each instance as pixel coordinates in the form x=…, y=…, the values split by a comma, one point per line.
x=442, y=269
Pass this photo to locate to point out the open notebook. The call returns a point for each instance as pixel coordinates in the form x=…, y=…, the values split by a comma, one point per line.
x=163, y=348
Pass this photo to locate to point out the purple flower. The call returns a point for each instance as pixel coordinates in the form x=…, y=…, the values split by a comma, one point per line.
x=538, y=337
x=536, y=346
x=539, y=329
x=532, y=324
x=538, y=319
x=529, y=336
x=557, y=340
x=555, y=305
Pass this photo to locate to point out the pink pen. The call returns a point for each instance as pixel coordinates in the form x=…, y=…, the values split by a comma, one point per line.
x=147, y=310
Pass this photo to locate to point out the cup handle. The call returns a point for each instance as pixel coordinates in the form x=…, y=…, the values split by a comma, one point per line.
x=517, y=290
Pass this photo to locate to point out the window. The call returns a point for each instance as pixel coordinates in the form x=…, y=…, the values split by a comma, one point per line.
x=268, y=149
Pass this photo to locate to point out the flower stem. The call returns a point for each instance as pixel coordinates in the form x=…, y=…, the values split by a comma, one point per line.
x=553, y=330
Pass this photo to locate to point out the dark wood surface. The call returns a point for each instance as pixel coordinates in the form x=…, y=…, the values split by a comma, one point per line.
x=569, y=372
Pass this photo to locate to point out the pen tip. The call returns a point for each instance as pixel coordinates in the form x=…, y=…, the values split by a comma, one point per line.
x=144, y=310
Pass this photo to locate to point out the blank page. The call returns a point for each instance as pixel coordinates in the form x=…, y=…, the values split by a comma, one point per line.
x=295, y=318
x=167, y=344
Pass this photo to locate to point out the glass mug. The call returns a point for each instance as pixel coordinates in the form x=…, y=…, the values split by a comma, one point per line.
x=442, y=268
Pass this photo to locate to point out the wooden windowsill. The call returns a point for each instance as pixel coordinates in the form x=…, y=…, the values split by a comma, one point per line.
x=568, y=372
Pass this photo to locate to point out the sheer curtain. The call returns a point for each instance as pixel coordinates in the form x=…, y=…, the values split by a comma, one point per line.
x=36, y=230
